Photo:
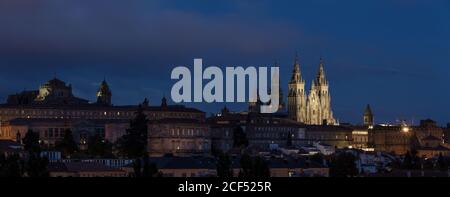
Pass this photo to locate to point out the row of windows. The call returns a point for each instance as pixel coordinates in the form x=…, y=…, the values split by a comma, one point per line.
x=68, y=114
x=360, y=139
x=182, y=145
x=173, y=114
x=273, y=135
x=182, y=175
x=54, y=132
x=329, y=137
x=74, y=113
x=274, y=129
x=188, y=132
x=104, y=175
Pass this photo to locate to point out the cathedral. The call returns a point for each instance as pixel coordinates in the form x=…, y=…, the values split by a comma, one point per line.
x=314, y=108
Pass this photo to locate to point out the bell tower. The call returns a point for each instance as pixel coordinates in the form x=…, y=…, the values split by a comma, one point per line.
x=296, y=94
x=104, y=94
x=368, y=116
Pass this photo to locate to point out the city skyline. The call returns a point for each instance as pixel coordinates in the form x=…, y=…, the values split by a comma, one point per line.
x=395, y=61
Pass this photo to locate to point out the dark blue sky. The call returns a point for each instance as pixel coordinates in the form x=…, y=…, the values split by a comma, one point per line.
x=393, y=54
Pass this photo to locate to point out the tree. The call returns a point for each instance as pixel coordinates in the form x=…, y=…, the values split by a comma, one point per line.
x=97, y=146
x=10, y=166
x=144, y=168
x=246, y=166
x=416, y=160
x=149, y=169
x=442, y=164
x=411, y=161
x=253, y=167
x=317, y=158
x=134, y=143
x=260, y=168
x=137, y=168
x=407, y=161
x=67, y=145
x=428, y=164
x=343, y=165
x=239, y=138
x=36, y=166
x=31, y=142
x=224, y=166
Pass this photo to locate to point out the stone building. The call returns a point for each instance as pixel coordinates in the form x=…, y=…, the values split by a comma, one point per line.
x=360, y=137
x=336, y=136
x=54, y=108
x=180, y=137
x=426, y=138
x=52, y=130
x=314, y=109
x=263, y=131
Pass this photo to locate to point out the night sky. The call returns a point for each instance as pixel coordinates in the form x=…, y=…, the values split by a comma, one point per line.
x=393, y=54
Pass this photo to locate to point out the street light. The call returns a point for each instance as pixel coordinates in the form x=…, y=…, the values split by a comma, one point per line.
x=405, y=129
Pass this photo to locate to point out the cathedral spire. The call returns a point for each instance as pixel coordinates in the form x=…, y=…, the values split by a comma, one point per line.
x=296, y=73
x=368, y=110
x=368, y=116
x=321, y=79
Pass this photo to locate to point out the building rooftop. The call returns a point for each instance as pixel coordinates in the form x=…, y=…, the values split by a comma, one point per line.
x=26, y=121
x=431, y=138
x=172, y=162
x=177, y=121
x=80, y=167
x=94, y=106
x=10, y=146
x=327, y=128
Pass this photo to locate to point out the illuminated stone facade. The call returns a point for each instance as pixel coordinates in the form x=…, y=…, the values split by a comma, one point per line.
x=180, y=137
x=427, y=139
x=314, y=109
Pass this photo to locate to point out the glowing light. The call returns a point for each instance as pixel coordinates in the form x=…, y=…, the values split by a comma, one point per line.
x=405, y=129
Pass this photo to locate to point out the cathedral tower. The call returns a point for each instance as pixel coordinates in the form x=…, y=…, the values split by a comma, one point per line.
x=104, y=94
x=368, y=116
x=296, y=95
x=319, y=100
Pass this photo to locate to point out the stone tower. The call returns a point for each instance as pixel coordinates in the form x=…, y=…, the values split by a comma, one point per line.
x=296, y=95
x=104, y=94
x=313, y=109
x=319, y=100
x=368, y=116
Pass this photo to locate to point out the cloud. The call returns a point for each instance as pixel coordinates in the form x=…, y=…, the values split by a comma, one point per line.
x=135, y=43
x=117, y=30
